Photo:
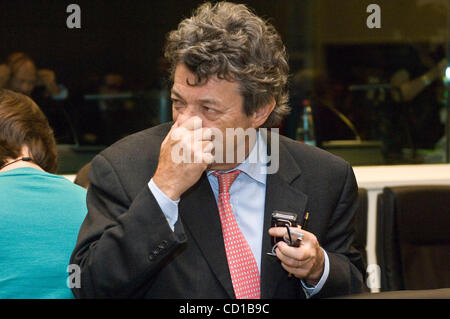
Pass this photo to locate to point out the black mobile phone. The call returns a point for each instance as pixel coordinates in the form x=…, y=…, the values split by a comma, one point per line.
x=283, y=219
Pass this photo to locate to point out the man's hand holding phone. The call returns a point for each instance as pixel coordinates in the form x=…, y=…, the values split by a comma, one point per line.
x=306, y=261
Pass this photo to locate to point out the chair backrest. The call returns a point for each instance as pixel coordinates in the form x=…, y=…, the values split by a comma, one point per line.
x=82, y=177
x=360, y=239
x=413, y=237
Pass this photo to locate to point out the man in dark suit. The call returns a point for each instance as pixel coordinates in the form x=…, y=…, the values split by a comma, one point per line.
x=161, y=227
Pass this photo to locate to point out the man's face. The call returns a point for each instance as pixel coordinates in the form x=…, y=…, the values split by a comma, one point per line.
x=218, y=103
x=24, y=79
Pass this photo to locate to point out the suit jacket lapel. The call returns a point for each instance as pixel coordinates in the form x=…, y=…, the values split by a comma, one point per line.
x=280, y=195
x=199, y=213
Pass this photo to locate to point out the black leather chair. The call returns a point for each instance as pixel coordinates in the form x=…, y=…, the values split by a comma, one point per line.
x=413, y=237
x=360, y=239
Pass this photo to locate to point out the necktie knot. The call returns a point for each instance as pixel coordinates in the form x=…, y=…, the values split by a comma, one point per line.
x=225, y=180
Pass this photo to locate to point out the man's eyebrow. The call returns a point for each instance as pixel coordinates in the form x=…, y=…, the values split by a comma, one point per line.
x=203, y=101
x=209, y=101
x=176, y=94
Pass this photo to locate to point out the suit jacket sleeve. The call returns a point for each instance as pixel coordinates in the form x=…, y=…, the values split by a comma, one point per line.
x=346, y=266
x=122, y=242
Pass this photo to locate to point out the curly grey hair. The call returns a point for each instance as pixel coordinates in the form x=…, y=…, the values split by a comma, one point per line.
x=230, y=41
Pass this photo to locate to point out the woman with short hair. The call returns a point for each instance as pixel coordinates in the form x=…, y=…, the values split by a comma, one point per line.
x=40, y=212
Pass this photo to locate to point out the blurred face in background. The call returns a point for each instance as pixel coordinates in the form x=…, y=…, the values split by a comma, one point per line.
x=23, y=79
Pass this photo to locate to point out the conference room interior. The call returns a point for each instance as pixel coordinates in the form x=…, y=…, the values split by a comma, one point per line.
x=368, y=84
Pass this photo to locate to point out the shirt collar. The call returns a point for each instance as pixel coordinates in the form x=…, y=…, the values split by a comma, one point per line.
x=254, y=165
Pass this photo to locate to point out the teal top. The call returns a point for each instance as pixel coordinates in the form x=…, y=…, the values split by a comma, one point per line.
x=40, y=216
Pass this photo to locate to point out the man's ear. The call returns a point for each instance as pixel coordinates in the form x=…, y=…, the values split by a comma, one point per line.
x=260, y=116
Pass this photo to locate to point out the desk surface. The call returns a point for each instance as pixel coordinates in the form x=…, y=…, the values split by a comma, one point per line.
x=377, y=177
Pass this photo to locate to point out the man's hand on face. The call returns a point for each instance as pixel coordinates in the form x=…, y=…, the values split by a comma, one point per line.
x=185, y=154
x=305, y=262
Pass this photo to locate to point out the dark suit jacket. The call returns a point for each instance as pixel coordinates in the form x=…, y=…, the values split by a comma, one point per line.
x=126, y=248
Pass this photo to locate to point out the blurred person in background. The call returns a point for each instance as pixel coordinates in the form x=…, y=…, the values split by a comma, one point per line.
x=40, y=212
x=20, y=74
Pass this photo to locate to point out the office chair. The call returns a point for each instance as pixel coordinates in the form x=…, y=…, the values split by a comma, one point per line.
x=360, y=239
x=413, y=237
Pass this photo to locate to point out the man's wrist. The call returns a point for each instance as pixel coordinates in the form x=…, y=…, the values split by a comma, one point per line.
x=315, y=277
x=168, y=206
x=312, y=290
x=168, y=189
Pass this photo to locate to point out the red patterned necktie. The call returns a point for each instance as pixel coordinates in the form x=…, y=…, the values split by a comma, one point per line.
x=241, y=262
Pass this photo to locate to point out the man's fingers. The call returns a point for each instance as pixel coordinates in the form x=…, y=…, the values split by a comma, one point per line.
x=208, y=158
x=192, y=141
x=282, y=231
x=281, y=254
x=207, y=134
x=192, y=126
x=170, y=135
x=192, y=123
x=179, y=133
x=208, y=146
x=297, y=253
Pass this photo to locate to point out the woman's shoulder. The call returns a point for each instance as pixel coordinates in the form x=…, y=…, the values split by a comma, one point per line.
x=29, y=180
